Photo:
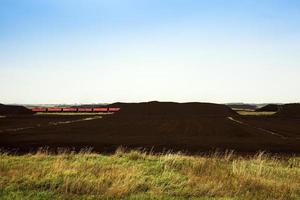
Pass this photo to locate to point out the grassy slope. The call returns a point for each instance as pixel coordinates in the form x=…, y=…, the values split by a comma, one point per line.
x=137, y=175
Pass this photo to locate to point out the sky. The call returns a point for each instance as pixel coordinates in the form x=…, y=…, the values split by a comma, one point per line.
x=102, y=51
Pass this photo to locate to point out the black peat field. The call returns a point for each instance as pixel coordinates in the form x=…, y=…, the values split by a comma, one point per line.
x=153, y=150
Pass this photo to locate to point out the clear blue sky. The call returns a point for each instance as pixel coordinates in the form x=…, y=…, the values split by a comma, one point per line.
x=89, y=51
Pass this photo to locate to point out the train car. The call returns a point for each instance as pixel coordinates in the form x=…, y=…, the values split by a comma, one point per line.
x=114, y=109
x=53, y=109
x=39, y=109
x=85, y=109
x=69, y=109
x=100, y=109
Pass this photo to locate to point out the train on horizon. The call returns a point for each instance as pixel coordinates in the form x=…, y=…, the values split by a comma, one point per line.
x=70, y=109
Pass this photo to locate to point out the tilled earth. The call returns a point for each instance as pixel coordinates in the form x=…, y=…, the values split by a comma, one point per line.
x=153, y=132
x=159, y=126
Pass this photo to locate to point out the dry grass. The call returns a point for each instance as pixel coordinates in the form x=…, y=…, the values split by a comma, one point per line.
x=140, y=175
x=254, y=113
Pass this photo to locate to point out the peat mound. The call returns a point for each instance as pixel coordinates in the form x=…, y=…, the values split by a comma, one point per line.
x=14, y=110
x=289, y=110
x=269, y=108
x=172, y=109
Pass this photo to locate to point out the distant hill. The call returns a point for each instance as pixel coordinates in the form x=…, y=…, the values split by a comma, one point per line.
x=242, y=106
x=14, y=110
x=87, y=105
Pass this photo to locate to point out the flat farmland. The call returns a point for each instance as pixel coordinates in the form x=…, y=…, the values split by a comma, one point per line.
x=160, y=133
x=159, y=126
x=16, y=122
x=288, y=127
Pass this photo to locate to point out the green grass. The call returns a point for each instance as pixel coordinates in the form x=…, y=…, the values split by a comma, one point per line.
x=139, y=175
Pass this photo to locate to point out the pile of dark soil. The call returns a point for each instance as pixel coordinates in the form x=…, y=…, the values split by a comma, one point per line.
x=289, y=110
x=14, y=110
x=269, y=108
x=174, y=110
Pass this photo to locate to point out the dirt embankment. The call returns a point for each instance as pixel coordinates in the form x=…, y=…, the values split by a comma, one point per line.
x=14, y=110
x=289, y=110
x=269, y=108
x=173, y=110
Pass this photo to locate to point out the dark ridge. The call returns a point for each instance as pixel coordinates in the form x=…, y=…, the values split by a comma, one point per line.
x=14, y=110
x=242, y=106
x=87, y=106
x=269, y=108
x=289, y=110
x=171, y=109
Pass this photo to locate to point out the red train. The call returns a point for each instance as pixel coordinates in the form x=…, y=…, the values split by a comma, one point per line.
x=56, y=109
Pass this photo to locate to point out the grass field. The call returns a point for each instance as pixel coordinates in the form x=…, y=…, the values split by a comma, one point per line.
x=254, y=113
x=139, y=175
